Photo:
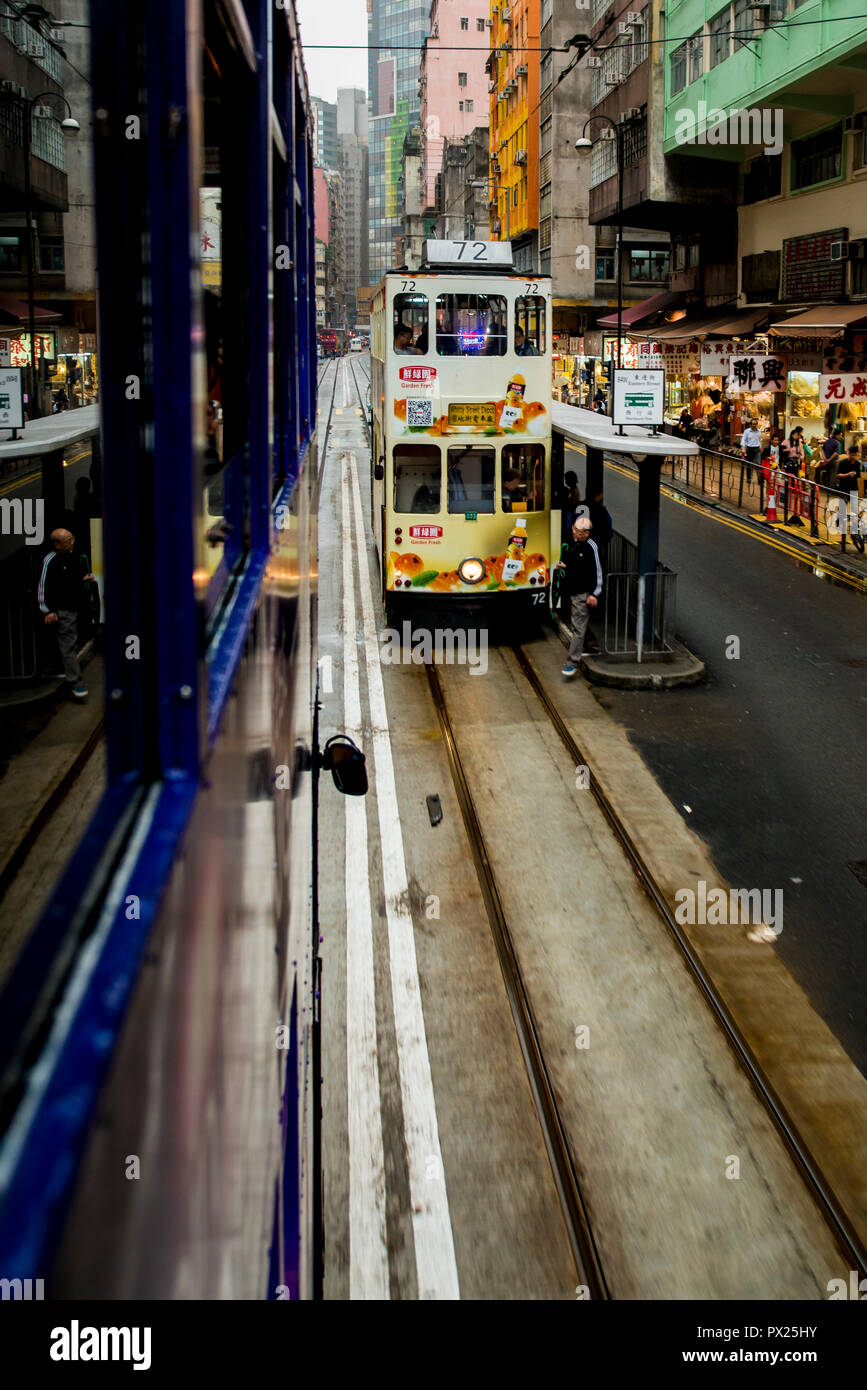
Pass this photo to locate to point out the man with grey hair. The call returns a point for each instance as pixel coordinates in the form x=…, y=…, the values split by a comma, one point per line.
x=60, y=596
x=582, y=585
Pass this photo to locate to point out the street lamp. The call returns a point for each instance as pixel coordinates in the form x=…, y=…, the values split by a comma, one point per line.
x=70, y=127
x=582, y=145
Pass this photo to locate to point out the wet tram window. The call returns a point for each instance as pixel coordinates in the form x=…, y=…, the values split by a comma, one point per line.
x=410, y=329
x=523, y=478
x=417, y=478
x=471, y=325
x=530, y=325
x=471, y=479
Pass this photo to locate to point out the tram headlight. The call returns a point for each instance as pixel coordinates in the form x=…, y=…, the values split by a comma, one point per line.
x=472, y=570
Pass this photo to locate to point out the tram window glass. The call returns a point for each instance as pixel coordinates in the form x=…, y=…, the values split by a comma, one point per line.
x=410, y=311
x=530, y=317
x=523, y=478
x=471, y=479
x=417, y=478
x=471, y=325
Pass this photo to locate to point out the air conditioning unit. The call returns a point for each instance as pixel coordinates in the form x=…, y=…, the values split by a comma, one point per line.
x=853, y=124
x=7, y=86
x=520, y=156
x=630, y=114
x=839, y=250
x=632, y=18
x=623, y=29
x=57, y=35
x=607, y=133
x=505, y=14
x=521, y=69
x=489, y=24
x=45, y=112
x=594, y=61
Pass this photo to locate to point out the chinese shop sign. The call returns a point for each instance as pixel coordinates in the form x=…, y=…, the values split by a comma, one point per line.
x=752, y=373
x=808, y=271
x=843, y=386
x=681, y=359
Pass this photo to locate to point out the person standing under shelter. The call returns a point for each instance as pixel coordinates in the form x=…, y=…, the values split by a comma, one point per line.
x=582, y=586
x=60, y=597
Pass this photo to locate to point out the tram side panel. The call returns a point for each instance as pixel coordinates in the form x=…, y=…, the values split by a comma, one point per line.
x=463, y=441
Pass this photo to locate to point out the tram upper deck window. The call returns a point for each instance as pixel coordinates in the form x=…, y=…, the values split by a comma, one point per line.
x=471, y=479
x=530, y=325
x=417, y=478
x=409, y=328
x=471, y=325
x=523, y=478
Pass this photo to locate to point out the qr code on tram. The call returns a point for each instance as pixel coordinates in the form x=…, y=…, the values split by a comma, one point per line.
x=419, y=413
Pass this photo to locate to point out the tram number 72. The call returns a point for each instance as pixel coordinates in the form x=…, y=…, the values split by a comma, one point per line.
x=480, y=248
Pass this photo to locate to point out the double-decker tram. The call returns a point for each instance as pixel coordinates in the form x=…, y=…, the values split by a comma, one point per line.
x=461, y=392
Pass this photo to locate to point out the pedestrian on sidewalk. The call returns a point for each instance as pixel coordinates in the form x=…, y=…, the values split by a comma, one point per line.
x=61, y=597
x=849, y=471
x=582, y=586
x=751, y=443
x=831, y=450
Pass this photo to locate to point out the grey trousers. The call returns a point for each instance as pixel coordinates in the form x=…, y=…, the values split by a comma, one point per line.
x=579, y=615
x=66, y=628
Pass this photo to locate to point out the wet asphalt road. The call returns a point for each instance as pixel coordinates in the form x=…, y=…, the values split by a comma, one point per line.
x=771, y=754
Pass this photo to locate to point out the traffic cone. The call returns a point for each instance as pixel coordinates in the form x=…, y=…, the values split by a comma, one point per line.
x=771, y=509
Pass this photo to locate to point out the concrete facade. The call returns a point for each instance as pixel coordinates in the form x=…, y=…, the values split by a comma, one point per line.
x=514, y=70
x=463, y=199
x=324, y=133
x=453, y=93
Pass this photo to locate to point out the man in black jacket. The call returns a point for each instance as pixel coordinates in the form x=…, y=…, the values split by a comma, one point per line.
x=61, y=594
x=582, y=585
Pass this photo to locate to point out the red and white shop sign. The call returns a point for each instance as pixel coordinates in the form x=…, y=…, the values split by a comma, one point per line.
x=418, y=375
x=425, y=533
x=845, y=386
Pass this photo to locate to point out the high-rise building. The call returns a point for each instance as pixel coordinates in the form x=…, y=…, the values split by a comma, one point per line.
x=515, y=74
x=352, y=142
x=325, y=133
x=453, y=86
x=396, y=30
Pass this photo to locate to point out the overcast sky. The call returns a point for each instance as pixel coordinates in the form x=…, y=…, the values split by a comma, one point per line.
x=333, y=21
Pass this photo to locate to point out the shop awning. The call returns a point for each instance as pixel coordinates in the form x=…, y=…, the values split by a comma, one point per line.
x=643, y=311
x=824, y=321
x=728, y=324
x=16, y=311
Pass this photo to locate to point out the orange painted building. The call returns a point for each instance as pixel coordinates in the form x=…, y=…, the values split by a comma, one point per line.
x=514, y=71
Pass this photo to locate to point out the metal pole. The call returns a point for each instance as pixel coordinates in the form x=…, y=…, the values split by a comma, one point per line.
x=26, y=112
x=618, y=136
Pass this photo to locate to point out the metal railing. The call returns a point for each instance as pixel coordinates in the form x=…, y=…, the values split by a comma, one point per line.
x=799, y=501
x=639, y=611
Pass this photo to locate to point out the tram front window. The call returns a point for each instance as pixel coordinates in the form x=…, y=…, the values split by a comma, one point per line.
x=409, y=327
x=471, y=479
x=530, y=326
x=523, y=475
x=417, y=478
x=471, y=325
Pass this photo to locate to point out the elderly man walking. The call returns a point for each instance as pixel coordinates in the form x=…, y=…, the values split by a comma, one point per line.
x=61, y=592
x=582, y=585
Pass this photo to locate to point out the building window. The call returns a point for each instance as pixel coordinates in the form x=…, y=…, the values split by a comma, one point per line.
x=818, y=159
x=678, y=69
x=471, y=479
x=742, y=23
x=637, y=48
x=460, y=106
x=547, y=72
x=603, y=161
x=648, y=265
x=468, y=104
x=480, y=25
x=51, y=254
x=417, y=478
x=10, y=252
x=764, y=178
x=465, y=23
x=462, y=79
x=523, y=477
x=605, y=263
x=471, y=325
x=720, y=37
x=696, y=57
x=686, y=252
x=635, y=142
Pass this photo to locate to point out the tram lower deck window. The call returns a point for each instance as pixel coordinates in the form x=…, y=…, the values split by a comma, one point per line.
x=417, y=478
x=523, y=478
x=471, y=479
x=471, y=325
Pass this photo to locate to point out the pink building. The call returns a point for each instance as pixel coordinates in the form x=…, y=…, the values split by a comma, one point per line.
x=453, y=84
x=320, y=205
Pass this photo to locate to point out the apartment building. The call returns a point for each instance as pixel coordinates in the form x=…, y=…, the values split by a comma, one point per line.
x=453, y=93
x=513, y=93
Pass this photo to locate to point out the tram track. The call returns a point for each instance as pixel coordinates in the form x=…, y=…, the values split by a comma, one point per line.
x=583, y=1243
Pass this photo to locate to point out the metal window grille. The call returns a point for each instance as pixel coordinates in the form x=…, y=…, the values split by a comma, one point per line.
x=47, y=141
x=603, y=161
x=696, y=57
x=634, y=142
x=720, y=37
x=678, y=69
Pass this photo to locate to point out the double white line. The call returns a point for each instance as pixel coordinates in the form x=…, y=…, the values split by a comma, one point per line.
x=432, y=1231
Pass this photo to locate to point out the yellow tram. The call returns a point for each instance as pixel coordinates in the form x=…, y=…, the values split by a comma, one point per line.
x=461, y=441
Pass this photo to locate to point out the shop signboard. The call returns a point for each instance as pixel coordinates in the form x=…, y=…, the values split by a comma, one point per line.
x=11, y=399
x=639, y=397
x=5, y=352
x=750, y=372
x=838, y=360
x=681, y=359
x=843, y=386
x=808, y=270
x=634, y=354
x=805, y=361
x=715, y=354
x=20, y=348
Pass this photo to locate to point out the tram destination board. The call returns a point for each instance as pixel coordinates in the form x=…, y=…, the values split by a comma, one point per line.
x=483, y=415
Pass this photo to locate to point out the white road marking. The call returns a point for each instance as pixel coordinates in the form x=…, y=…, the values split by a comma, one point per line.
x=431, y=1220
x=368, y=1242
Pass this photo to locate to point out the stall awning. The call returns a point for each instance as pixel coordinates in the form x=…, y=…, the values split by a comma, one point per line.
x=824, y=321
x=16, y=311
x=728, y=324
x=640, y=312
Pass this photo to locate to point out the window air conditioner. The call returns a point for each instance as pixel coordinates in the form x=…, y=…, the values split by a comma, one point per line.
x=521, y=69
x=43, y=111
x=594, y=61
x=520, y=156
x=57, y=35
x=839, y=250
x=631, y=18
